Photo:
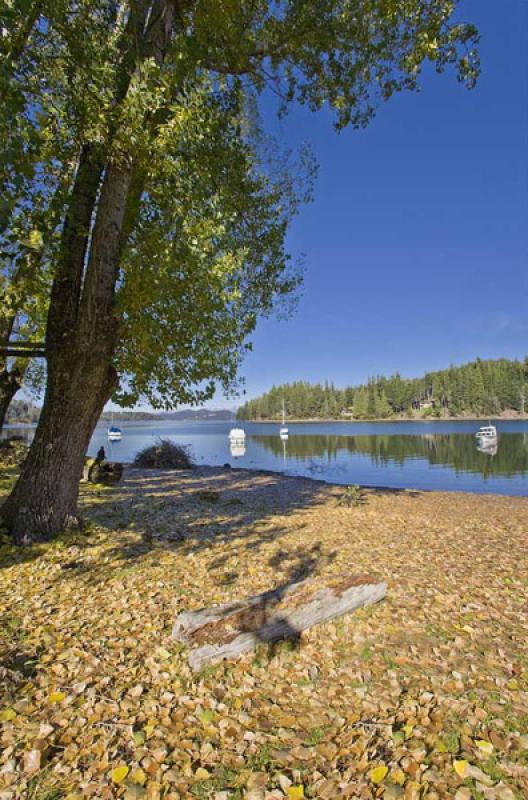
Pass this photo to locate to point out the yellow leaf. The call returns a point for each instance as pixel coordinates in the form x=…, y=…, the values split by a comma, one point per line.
x=138, y=776
x=8, y=715
x=201, y=774
x=56, y=697
x=295, y=792
x=377, y=775
x=485, y=747
x=460, y=767
x=398, y=776
x=513, y=684
x=162, y=653
x=119, y=774
x=408, y=729
x=73, y=796
x=149, y=730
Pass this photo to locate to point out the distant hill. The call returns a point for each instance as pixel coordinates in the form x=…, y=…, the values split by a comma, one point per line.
x=480, y=388
x=184, y=414
x=23, y=412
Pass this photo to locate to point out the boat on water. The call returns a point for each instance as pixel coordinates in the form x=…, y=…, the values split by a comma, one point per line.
x=237, y=435
x=114, y=434
x=283, y=433
x=487, y=432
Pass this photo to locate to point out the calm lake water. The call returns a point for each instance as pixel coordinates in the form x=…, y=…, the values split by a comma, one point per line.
x=420, y=455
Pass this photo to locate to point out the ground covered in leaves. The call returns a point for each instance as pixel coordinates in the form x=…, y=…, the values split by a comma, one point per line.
x=424, y=695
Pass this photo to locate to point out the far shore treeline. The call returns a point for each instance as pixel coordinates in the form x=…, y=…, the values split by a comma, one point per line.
x=24, y=412
x=489, y=387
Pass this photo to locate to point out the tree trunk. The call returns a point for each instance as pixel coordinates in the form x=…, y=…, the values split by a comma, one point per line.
x=80, y=381
x=10, y=383
x=44, y=500
x=82, y=327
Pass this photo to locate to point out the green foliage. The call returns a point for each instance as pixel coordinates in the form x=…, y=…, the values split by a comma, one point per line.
x=352, y=496
x=451, y=742
x=479, y=388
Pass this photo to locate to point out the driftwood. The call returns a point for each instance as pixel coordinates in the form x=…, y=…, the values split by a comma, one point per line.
x=226, y=631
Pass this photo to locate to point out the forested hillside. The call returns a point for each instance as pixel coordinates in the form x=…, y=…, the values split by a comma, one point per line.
x=477, y=388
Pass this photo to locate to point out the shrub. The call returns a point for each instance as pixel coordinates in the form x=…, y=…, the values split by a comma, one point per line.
x=352, y=496
x=164, y=455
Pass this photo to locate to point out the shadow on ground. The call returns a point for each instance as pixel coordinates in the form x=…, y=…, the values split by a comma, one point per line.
x=203, y=509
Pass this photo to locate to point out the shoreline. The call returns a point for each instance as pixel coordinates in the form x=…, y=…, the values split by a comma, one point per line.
x=313, y=420
x=212, y=471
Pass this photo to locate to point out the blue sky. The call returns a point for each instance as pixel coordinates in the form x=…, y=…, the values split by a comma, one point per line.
x=416, y=247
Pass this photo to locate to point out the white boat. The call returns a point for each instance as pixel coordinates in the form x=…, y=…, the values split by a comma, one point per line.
x=237, y=435
x=283, y=433
x=114, y=434
x=487, y=432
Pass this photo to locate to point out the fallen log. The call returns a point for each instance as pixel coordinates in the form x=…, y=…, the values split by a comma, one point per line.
x=227, y=631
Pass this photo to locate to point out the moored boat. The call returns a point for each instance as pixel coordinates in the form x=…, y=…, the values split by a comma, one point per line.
x=114, y=433
x=283, y=433
x=487, y=432
x=237, y=435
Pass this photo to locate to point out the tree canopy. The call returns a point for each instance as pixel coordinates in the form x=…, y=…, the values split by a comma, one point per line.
x=203, y=241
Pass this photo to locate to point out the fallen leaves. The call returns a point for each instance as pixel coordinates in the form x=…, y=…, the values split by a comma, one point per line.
x=485, y=748
x=201, y=774
x=119, y=773
x=56, y=697
x=378, y=774
x=295, y=792
x=423, y=696
x=460, y=767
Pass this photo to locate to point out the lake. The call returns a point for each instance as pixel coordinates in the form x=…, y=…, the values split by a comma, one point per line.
x=421, y=455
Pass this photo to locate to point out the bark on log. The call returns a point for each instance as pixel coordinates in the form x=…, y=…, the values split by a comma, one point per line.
x=226, y=631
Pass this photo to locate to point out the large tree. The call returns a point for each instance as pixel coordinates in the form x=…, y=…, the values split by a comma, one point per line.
x=172, y=229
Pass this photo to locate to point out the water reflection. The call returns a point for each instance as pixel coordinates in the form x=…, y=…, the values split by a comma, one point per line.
x=237, y=448
x=458, y=451
x=443, y=456
x=489, y=448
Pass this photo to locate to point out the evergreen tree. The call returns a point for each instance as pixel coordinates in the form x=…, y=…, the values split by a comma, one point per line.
x=361, y=403
x=480, y=387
